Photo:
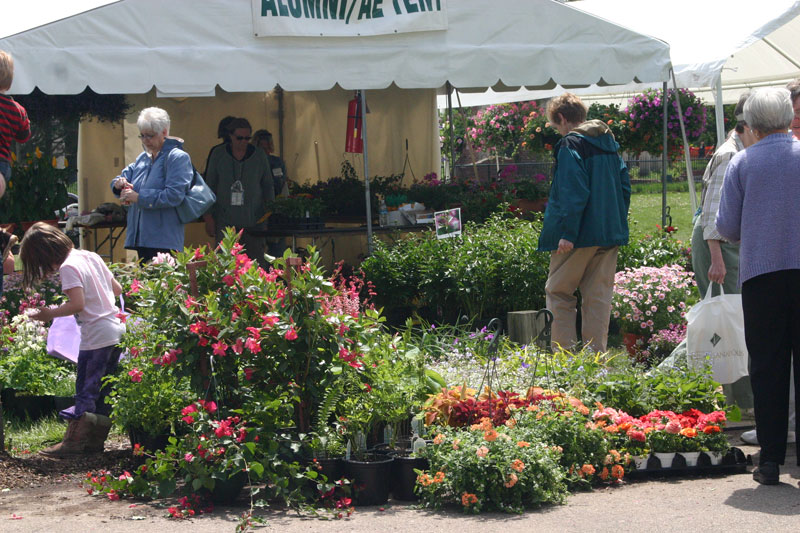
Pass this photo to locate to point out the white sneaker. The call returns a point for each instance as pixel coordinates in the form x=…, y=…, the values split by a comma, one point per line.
x=750, y=437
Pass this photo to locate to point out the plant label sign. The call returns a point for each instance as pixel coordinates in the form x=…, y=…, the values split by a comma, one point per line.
x=448, y=223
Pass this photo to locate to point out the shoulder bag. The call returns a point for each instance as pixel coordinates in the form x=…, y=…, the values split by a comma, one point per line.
x=198, y=199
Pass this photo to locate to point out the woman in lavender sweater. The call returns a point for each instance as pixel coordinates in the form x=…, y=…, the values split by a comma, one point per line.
x=760, y=208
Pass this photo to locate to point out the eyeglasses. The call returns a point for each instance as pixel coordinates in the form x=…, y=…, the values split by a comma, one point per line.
x=147, y=136
x=242, y=137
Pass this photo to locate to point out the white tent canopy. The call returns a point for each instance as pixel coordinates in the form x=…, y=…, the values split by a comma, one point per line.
x=746, y=44
x=185, y=47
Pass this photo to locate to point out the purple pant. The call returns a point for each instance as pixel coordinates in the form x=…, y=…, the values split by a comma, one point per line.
x=90, y=393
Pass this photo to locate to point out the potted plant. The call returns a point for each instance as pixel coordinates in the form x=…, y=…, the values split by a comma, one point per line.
x=146, y=399
x=368, y=471
x=37, y=191
x=648, y=299
x=645, y=121
x=328, y=449
x=530, y=193
x=301, y=211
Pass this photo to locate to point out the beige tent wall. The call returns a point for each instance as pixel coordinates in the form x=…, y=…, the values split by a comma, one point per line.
x=394, y=115
x=314, y=135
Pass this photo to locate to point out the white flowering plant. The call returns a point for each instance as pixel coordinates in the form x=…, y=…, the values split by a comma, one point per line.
x=649, y=299
x=24, y=363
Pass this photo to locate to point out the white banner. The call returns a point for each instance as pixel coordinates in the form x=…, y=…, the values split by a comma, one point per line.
x=346, y=18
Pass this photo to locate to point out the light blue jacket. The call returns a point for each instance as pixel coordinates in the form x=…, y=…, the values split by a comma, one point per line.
x=153, y=221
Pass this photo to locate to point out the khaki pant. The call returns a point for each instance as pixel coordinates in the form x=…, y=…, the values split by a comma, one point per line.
x=592, y=271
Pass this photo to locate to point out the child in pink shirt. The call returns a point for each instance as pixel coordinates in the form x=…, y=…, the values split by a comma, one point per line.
x=91, y=291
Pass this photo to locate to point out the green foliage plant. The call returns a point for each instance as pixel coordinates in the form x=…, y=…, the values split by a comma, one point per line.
x=491, y=269
x=37, y=190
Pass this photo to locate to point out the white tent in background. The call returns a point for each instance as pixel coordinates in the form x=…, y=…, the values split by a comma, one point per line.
x=190, y=48
x=717, y=46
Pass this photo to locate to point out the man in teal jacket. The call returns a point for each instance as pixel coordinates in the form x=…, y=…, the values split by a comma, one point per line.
x=585, y=223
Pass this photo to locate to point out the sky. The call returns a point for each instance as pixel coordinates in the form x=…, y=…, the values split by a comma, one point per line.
x=25, y=14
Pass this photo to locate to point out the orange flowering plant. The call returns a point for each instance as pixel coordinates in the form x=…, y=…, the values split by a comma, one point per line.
x=488, y=468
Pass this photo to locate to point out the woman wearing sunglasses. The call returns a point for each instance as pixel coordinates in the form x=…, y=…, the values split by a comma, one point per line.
x=240, y=176
x=153, y=186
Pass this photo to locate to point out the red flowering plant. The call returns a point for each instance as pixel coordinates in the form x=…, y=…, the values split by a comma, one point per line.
x=266, y=345
x=211, y=450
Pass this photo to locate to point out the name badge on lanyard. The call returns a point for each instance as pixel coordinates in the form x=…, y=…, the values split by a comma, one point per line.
x=237, y=194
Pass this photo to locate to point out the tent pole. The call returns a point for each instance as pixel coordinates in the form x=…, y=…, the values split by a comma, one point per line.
x=279, y=92
x=450, y=124
x=363, y=98
x=664, y=154
x=719, y=111
x=687, y=156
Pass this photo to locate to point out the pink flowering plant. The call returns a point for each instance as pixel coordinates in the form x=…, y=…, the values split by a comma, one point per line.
x=645, y=113
x=663, y=342
x=502, y=129
x=649, y=299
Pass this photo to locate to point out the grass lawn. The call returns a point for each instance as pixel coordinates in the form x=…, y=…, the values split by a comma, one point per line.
x=646, y=213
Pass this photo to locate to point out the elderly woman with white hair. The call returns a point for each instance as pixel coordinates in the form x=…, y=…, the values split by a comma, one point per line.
x=759, y=207
x=153, y=186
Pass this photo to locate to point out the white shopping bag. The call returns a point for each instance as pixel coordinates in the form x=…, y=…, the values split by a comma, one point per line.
x=716, y=332
x=64, y=338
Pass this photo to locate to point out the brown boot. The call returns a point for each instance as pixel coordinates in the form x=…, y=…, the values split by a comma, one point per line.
x=74, y=440
x=97, y=436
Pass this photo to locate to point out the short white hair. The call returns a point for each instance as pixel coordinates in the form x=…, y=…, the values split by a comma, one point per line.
x=153, y=119
x=769, y=109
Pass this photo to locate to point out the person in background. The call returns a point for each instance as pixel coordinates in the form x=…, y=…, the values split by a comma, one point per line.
x=153, y=186
x=14, y=126
x=585, y=223
x=263, y=139
x=91, y=292
x=713, y=258
x=240, y=176
x=758, y=207
x=224, y=133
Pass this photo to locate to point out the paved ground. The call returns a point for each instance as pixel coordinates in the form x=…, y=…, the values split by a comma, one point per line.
x=720, y=503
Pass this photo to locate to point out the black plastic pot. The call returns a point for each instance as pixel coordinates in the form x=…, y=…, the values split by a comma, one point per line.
x=404, y=478
x=331, y=468
x=370, y=478
x=20, y=405
x=227, y=490
x=147, y=440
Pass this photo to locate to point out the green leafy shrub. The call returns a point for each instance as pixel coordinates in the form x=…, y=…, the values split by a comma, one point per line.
x=491, y=269
x=654, y=251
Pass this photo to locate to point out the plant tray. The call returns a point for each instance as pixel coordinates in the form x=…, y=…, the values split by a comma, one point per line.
x=733, y=462
x=296, y=226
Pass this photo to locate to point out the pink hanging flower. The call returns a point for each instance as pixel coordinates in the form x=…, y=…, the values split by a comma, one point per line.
x=291, y=334
x=220, y=348
x=136, y=375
